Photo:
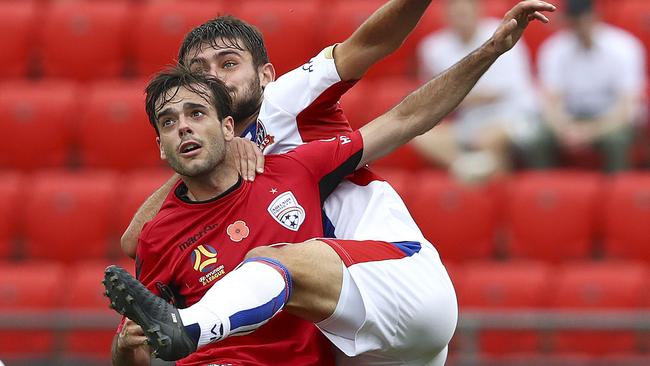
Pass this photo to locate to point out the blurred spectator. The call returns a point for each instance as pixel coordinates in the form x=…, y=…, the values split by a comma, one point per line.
x=593, y=79
x=501, y=109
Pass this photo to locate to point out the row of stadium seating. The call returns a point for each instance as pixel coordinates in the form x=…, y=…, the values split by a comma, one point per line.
x=106, y=39
x=33, y=287
x=554, y=216
x=108, y=128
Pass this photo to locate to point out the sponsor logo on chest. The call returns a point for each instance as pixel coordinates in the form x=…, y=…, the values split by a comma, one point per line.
x=286, y=210
x=204, y=259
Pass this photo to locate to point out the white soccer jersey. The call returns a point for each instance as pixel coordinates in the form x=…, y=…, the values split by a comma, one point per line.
x=302, y=106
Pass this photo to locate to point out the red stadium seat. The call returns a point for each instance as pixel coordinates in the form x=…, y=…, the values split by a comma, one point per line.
x=114, y=131
x=84, y=39
x=86, y=296
x=459, y=220
x=68, y=215
x=633, y=16
x=37, y=117
x=17, y=33
x=355, y=103
x=599, y=286
x=160, y=28
x=141, y=185
x=289, y=30
x=504, y=286
x=627, y=215
x=552, y=215
x=388, y=93
x=344, y=17
x=25, y=288
x=10, y=191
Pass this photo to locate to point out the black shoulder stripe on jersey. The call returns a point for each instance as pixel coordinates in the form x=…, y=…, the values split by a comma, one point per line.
x=330, y=181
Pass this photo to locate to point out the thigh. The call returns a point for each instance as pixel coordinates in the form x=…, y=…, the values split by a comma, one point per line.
x=409, y=304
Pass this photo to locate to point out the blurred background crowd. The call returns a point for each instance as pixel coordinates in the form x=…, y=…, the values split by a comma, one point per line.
x=536, y=190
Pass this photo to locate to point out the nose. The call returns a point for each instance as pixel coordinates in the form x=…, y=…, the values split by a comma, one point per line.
x=214, y=70
x=184, y=126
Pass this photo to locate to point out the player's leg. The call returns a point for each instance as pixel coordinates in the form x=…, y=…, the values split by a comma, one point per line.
x=305, y=277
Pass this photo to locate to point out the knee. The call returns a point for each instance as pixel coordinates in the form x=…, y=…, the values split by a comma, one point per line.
x=265, y=252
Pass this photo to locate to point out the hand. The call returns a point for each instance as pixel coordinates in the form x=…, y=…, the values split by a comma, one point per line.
x=515, y=22
x=249, y=159
x=131, y=336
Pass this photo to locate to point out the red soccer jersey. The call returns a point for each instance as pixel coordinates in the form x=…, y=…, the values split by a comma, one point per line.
x=191, y=245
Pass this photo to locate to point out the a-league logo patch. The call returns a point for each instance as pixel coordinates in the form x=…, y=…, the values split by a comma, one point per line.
x=287, y=211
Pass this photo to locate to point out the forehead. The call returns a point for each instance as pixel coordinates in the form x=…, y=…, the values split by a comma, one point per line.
x=216, y=47
x=175, y=98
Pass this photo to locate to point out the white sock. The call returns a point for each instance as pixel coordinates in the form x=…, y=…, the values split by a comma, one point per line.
x=240, y=302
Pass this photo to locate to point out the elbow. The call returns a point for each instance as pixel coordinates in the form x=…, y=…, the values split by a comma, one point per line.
x=129, y=243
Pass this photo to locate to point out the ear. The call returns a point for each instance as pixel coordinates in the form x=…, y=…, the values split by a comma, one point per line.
x=228, y=128
x=162, y=152
x=267, y=74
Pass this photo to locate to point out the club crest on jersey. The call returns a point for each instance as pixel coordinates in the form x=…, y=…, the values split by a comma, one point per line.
x=286, y=210
x=262, y=137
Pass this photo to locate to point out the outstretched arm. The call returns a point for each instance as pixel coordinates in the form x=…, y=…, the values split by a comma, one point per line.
x=424, y=108
x=380, y=35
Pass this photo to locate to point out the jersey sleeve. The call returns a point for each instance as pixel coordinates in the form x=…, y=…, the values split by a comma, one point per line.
x=329, y=161
x=303, y=105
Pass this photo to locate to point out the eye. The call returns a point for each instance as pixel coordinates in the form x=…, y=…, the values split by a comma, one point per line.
x=197, y=67
x=229, y=64
x=166, y=122
x=196, y=114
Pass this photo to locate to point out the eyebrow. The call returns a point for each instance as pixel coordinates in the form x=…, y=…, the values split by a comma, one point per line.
x=220, y=53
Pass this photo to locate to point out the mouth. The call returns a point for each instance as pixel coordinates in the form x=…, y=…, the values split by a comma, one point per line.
x=189, y=149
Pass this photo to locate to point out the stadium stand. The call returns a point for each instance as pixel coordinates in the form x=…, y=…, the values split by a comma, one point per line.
x=112, y=129
x=17, y=33
x=84, y=40
x=169, y=21
x=67, y=216
x=38, y=116
x=552, y=215
x=626, y=216
x=504, y=286
x=565, y=285
x=588, y=286
x=287, y=28
x=10, y=191
x=27, y=288
x=460, y=220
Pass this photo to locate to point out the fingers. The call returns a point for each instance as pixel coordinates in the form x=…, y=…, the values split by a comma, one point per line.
x=251, y=159
x=132, y=335
x=243, y=161
x=259, y=158
x=539, y=16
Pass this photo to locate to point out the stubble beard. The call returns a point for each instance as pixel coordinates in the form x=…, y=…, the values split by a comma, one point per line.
x=249, y=103
x=215, y=156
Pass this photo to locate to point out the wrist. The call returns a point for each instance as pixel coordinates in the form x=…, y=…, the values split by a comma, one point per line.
x=489, y=50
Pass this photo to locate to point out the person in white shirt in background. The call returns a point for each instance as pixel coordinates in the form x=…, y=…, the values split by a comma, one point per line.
x=499, y=113
x=593, y=77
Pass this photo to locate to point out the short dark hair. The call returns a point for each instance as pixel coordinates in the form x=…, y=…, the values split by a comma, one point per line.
x=230, y=31
x=211, y=89
x=575, y=8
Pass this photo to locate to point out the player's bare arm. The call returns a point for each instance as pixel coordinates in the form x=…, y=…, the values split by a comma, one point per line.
x=146, y=212
x=427, y=106
x=380, y=35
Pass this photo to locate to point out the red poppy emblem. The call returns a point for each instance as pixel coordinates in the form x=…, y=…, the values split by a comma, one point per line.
x=237, y=231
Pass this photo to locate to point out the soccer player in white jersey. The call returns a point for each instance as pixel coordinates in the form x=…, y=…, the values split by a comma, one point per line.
x=367, y=299
x=234, y=51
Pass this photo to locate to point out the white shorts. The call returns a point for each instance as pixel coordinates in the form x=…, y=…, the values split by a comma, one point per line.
x=397, y=305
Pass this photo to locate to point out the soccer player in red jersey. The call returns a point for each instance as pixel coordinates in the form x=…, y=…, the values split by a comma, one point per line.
x=334, y=283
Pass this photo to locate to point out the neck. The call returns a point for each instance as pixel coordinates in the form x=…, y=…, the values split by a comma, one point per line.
x=214, y=183
x=241, y=126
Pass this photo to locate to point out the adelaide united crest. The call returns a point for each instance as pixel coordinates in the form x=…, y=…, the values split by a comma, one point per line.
x=286, y=210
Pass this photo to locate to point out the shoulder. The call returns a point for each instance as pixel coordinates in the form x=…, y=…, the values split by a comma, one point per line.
x=619, y=40
x=558, y=43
